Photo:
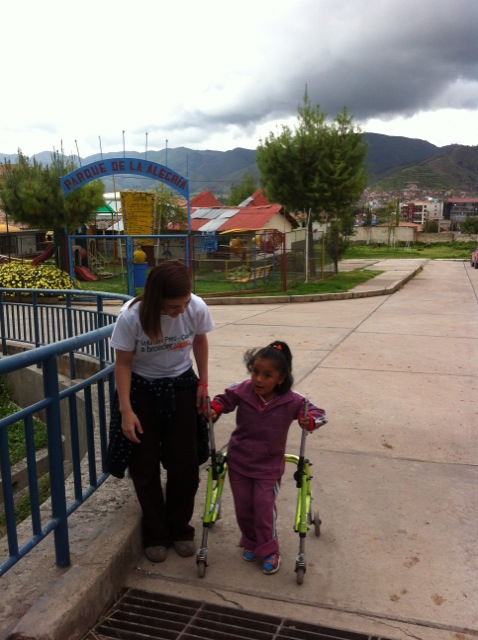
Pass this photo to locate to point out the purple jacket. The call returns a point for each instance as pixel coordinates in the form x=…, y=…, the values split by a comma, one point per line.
x=257, y=445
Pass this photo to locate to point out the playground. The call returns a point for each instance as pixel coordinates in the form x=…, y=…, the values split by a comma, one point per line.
x=229, y=263
x=129, y=242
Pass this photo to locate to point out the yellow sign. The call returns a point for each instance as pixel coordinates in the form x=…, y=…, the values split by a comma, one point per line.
x=138, y=209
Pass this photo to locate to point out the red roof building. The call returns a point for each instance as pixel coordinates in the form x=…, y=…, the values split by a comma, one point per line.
x=204, y=199
x=258, y=199
x=218, y=219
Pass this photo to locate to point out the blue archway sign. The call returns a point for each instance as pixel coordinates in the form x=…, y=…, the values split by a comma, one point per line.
x=132, y=166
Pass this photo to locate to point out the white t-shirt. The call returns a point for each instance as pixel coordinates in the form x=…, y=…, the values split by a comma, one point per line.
x=171, y=356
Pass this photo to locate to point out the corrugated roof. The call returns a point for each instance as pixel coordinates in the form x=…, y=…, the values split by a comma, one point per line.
x=224, y=218
x=204, y=199
x=212, y=225
x=251, y=218
x=213, y=214
x=257, y=199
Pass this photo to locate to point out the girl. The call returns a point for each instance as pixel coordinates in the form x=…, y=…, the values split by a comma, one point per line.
x=266, y=407
x=158, y=397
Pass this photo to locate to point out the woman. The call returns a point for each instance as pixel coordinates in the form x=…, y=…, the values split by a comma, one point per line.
x=157, y=401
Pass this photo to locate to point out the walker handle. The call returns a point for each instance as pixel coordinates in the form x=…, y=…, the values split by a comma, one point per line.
x=210, y=423
x=211, y=438
x=304, y=434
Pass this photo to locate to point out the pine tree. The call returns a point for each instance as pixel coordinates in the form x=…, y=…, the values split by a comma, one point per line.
x=318, y=168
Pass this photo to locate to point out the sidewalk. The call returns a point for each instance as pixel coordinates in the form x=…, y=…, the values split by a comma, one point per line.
x=395, y=476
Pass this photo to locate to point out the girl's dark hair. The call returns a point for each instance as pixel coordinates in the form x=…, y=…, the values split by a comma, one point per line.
x=280, y=354
x=170, y=279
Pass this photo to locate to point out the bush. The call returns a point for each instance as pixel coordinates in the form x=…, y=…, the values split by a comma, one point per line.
x=15, y=275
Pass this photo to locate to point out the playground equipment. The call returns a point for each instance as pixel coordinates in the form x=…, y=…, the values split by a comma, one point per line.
x=257, y=250
x=140, y=268
x=45, y=255
x=268, y=240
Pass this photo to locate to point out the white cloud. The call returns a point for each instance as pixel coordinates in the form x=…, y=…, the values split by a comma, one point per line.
x=211, y=75
x=441, y=127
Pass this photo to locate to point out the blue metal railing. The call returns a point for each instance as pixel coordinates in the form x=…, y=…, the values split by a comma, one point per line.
x=79, y=326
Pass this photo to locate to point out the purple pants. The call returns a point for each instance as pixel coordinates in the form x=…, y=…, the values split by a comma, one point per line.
x=256, y=512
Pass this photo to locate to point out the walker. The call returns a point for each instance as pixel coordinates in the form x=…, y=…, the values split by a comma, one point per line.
x=216, y=474
x=304, y=516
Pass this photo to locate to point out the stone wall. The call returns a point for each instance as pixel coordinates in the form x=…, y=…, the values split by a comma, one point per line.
x=381, y=235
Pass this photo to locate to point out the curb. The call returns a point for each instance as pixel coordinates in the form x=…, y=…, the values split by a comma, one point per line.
x=71, y=599
x=313, y=297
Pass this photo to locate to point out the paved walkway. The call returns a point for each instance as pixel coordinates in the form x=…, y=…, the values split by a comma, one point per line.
x=395, y=476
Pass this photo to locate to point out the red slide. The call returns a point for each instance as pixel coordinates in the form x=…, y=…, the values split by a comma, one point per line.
x=85, y=274
x=47, y=253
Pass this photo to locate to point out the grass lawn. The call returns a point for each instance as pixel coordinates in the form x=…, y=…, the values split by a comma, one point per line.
x=442, y=250
x=214, y=283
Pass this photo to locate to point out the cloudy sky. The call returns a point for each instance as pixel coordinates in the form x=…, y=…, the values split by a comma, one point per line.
x=215, y=74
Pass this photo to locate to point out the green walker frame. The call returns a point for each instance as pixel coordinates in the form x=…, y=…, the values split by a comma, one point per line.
x=304, y=515
x=216, y=474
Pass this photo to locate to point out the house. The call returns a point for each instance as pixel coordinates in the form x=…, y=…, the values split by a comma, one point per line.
x=256, y=212
x=234, y=229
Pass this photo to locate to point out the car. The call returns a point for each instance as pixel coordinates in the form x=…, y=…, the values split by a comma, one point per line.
x=474, y=258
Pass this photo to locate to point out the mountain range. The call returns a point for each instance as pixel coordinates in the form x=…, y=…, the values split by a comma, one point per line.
x=393, y=163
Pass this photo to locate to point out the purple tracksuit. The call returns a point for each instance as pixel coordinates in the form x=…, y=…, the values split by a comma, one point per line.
x=255, y=457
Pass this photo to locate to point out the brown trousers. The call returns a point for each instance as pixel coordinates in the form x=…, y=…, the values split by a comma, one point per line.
x=166, y=491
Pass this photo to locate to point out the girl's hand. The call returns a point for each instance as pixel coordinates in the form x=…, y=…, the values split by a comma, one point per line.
x=212, y=415
x=214, y=412
x=131, y=426
x=306, y=422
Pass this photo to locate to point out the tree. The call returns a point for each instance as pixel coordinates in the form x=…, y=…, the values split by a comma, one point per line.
x=470, y=225
x=170, y=215
x=389, y=214
x=31, y=194
x=243, y=190
x=317, y=169
x=430, y=226
x=368, y=222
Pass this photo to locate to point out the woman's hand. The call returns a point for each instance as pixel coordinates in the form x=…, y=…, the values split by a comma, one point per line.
x=131, y=426
x=201, y=396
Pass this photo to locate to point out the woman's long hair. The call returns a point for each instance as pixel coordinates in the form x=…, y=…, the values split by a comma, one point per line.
x=170, y=279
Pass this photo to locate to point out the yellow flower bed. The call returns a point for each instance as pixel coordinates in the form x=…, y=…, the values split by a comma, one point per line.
x=23, y=276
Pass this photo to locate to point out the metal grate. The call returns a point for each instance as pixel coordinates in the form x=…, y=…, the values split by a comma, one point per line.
x=140, y=615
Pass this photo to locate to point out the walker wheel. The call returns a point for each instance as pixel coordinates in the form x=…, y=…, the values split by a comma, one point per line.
x=300, y=574
x=201, y=568
x=317, y=522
